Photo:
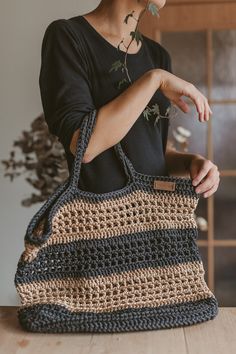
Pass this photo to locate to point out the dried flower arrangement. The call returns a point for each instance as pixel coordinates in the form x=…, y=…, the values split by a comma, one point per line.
x=42, y=160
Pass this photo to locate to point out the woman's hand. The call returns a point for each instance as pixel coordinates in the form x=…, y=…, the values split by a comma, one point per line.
x=205, y=175
x=173, y=88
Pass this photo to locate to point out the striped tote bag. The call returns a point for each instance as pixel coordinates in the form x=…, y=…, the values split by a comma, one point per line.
x=119, y=261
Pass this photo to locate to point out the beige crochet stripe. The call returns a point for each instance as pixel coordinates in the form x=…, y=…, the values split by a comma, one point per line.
x=139, y=288
x=136, y=212
x=139, y=211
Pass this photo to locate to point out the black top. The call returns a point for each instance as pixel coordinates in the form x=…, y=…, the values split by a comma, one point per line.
x=75, y=79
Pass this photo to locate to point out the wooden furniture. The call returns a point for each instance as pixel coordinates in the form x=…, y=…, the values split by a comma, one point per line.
x=209, y=17
x=216, y=336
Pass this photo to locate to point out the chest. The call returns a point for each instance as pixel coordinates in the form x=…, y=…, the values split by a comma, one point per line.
x=109, y=78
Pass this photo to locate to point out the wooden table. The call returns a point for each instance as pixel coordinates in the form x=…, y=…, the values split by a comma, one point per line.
x=216, y=336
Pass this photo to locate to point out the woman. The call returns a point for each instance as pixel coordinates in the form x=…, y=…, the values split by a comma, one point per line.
x=77, y=54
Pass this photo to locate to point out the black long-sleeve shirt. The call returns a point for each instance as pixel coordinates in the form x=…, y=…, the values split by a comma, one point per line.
x=75, y=79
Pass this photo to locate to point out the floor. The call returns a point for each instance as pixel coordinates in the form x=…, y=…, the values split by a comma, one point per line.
x=216, y=336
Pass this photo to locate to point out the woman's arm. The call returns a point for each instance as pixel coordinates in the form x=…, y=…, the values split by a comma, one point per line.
x=116, y=117
x=66, y=93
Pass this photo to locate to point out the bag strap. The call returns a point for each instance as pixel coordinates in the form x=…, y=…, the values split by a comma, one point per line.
x=86, y=130
x=45, y=208
x=84, y=136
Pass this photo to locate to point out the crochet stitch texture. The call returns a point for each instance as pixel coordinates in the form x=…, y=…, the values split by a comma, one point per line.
x=119, y=261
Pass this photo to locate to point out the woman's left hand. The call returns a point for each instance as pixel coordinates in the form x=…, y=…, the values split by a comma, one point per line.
x=205, y=175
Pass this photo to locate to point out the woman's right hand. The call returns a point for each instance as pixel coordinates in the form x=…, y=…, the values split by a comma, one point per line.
x=173, y=88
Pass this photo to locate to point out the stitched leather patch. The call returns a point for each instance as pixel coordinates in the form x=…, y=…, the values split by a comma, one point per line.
x=164, y=185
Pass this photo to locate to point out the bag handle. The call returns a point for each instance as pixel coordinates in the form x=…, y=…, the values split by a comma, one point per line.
x=41, y=213
x=72, y=182
x=86, y=130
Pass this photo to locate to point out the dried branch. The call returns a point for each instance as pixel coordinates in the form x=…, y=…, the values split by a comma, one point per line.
x=42, y=162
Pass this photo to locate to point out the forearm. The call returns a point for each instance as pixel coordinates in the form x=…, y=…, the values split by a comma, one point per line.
x=115, y=118
x=178, y=162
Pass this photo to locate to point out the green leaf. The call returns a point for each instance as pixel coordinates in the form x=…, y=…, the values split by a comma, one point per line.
x=128, y=16
x=153, y=9
x=156, y=120
x=121, y=83
x=147, y=112
x=137, y=36
x=156, y=109
x=167, y=111
x=116, y=65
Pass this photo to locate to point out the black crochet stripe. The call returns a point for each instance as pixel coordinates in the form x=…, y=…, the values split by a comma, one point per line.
x=91, y=258
x=183, y=187
x=50, y=318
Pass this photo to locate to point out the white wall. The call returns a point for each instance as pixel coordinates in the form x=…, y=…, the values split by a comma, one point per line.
x=22, y=24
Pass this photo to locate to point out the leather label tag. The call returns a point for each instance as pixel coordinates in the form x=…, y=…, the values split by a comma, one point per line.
x=164, y=185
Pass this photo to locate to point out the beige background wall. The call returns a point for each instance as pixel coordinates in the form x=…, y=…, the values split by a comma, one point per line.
x=22, y=24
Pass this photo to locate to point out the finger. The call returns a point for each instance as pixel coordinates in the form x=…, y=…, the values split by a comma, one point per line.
x=202, y=173
x=207, y=184
x=191, y=92
x=203, y=105
x=211, y=191
x=198, y=104
x=206, y=113
x=202, y=111
x=199, y=101
x=195, y=96
x=182, y=105
x=209, y=108
x=209, y=111
x=200, y=108
x=211, y=179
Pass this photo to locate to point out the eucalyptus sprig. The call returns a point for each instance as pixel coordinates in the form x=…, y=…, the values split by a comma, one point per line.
x=119, y=65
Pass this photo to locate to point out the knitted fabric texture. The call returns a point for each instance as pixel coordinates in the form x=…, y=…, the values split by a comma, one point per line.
x=119, y=261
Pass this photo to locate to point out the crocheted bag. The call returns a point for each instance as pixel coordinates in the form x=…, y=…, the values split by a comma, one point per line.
x=119, y=261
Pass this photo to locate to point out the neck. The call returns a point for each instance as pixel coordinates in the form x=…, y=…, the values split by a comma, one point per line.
x=110, y=15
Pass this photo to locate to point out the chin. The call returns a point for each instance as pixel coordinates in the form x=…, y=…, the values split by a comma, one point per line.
x=159, y=3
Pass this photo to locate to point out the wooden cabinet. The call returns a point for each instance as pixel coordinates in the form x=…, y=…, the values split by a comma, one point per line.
x=201, y=38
